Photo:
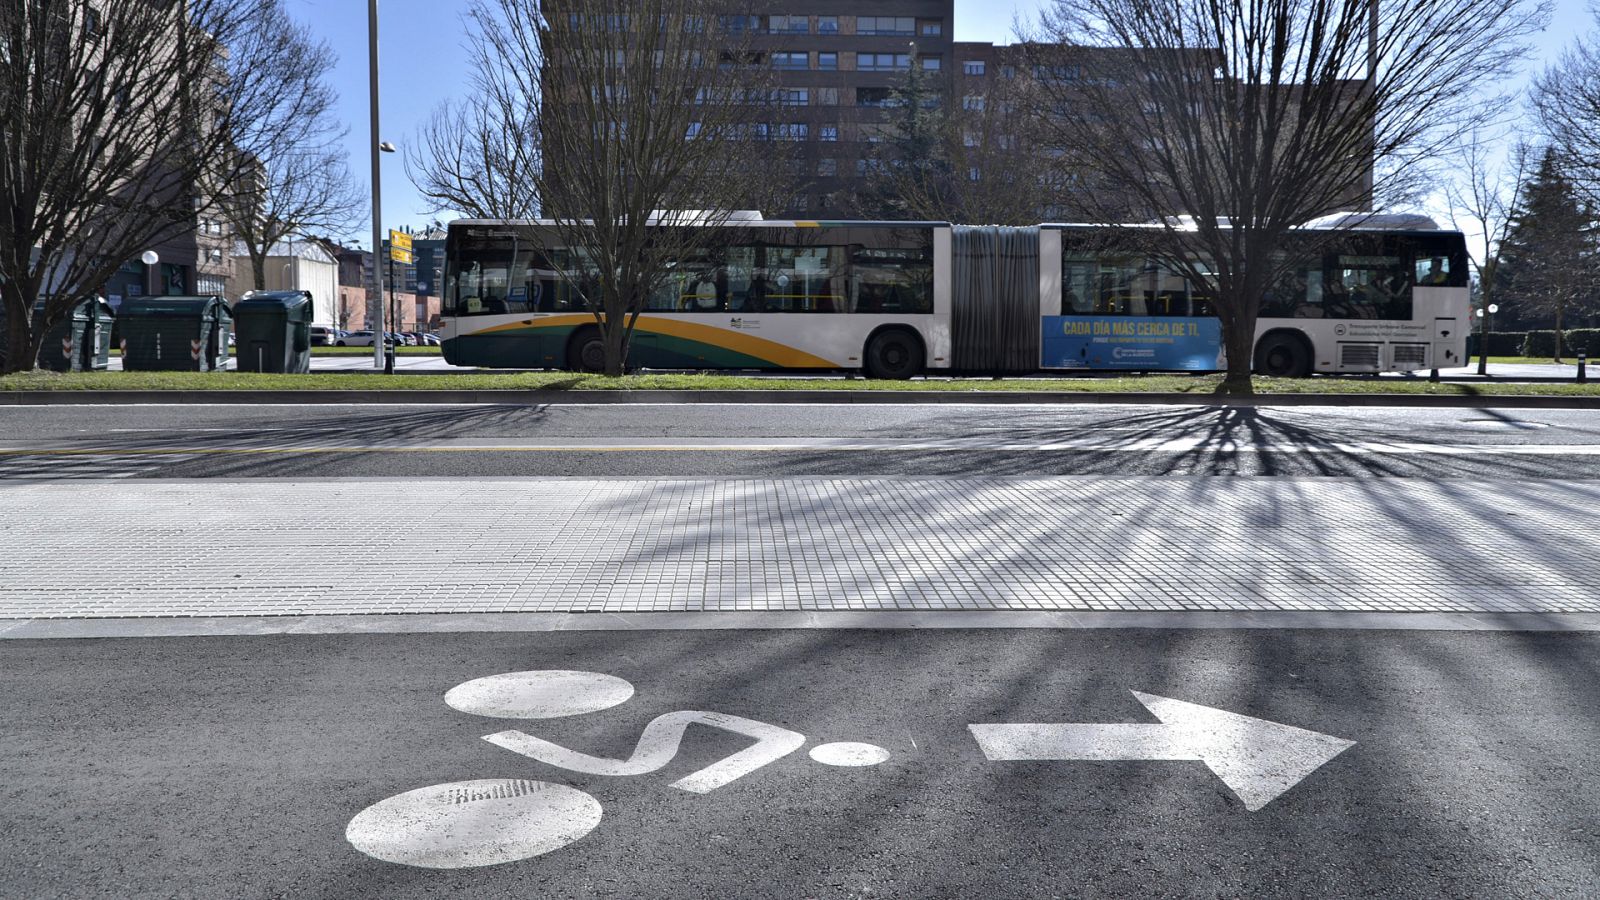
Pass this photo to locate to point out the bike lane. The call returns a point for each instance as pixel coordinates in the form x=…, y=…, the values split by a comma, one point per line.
x=808, y=763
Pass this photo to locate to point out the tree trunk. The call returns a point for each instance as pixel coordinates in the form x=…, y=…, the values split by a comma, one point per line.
x=1240, y=343
x=616, y=339
x=258, y=269
x=1559, y=310
x=21, y=352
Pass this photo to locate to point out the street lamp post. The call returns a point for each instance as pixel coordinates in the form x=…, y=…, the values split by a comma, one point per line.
x=375, y=305
x=150, y=258
x=1483, y=337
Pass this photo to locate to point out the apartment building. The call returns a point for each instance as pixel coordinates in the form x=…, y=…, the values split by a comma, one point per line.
x=837, y=70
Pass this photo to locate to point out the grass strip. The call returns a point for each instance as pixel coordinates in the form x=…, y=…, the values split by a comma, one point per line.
x=568, y=381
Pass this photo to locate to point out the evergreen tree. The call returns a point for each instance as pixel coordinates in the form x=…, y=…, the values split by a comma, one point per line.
x=911, y=172
x=1549, y=265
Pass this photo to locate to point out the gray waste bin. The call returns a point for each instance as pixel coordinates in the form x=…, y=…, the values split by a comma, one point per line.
x=274, y=331
x=175, y=333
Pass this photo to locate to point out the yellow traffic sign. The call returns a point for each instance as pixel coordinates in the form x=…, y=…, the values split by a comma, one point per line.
x=400, y=256
x=399, y=239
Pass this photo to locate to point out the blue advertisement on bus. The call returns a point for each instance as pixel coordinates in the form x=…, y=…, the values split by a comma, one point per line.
x=1131, y=342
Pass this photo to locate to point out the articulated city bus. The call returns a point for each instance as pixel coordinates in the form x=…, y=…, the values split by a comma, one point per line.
x=897, y=299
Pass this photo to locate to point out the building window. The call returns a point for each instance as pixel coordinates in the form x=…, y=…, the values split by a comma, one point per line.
x=794, y=96
x=880, y=97
x=886, y=25
x=740, y=24
x=693, y=131
x=974, y=174
x=827, y=167
x=931, y=63
x=791, y=60
x=931, y=29
x=972, y=101
x=788, y=25
x=972, y=67
x=827, y=24
x=612, y=23
x=828, y=133
x=1008, y=71
x=793, y=131
x=882, y=62
x=968, y=139
x=92, y=25
x=828, y=62
x=827, y=96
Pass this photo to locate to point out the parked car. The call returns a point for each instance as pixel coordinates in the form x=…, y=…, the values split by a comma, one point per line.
x=401, y=339
x=355, y=339
x=323, y=336
x=431, y=339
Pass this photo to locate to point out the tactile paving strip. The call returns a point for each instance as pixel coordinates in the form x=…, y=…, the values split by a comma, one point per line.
x=212, y=548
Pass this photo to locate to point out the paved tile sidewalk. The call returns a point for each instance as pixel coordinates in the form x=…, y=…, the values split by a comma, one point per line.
x=211, y=548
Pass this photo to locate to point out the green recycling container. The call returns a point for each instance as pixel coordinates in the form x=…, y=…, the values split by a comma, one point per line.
x=274, y=331
x=175, y=333
x=81, y=340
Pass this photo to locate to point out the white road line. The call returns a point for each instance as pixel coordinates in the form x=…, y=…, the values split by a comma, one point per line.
x=1152, y=445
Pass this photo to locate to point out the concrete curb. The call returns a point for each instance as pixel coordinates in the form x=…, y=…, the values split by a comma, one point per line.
x=466, y=623
x=542, y=398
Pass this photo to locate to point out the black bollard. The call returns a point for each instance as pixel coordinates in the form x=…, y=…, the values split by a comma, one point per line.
x=388, y=359
x=1583, y=368
x=1434, y=376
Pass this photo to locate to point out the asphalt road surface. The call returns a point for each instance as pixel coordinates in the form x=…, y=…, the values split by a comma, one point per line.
x=242, y=766
x=819, y=762
x=769, y=441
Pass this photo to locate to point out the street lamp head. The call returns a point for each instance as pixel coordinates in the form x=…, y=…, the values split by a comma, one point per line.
x=386, y=147
x=149, y=257
x=1494, y=307
x=1479, y=312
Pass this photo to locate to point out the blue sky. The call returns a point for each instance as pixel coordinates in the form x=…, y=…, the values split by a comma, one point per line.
x=422, y=62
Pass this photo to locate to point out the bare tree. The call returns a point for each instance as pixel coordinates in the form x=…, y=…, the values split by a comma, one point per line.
x=112, y=115
x=654, y=129
x=289, y=175
x=1566, y=106
x=1232, y=122
x=1482, y=199
x=479, y=154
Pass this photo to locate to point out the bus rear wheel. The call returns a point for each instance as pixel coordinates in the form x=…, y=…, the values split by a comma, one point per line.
x=893, y=355
x=1283, y=356
x=586, y=352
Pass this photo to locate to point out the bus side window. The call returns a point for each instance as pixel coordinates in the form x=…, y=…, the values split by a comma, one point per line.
x=1433, y=271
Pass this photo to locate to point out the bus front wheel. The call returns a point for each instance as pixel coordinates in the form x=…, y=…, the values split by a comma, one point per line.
x=1283, y=356
x=586, y=352
x=894, y=354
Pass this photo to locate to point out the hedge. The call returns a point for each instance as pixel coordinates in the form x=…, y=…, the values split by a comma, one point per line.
x=1578, y=340
x=1501, y=343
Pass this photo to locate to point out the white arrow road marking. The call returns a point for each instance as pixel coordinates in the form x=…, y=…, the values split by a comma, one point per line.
x=659, y=744
x=1258, y=760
